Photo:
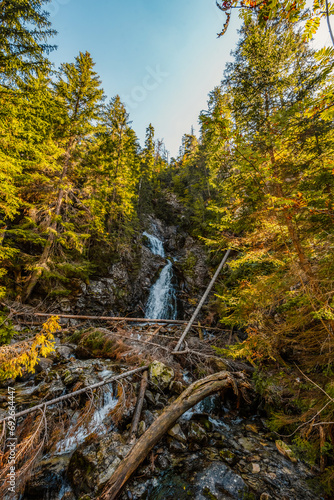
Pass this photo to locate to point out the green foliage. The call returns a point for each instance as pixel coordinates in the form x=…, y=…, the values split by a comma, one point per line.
x=6, y=329
x=24, y=30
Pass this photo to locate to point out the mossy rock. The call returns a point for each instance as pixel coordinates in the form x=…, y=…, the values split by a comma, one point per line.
x=160, y=374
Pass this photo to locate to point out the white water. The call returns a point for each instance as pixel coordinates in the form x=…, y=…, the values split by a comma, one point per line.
x=96, y=424
x=161, y=303
x=156, y=245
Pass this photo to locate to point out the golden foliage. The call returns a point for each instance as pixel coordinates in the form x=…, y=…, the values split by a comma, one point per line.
x=23, y=356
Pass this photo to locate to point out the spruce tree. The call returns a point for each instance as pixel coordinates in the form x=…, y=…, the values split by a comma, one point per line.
x=79, y=97
x=24, y=33
x=277, y=186
x=111, y=167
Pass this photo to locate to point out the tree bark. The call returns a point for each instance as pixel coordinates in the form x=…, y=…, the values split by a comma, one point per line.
x=139, y=407
x=191, y=396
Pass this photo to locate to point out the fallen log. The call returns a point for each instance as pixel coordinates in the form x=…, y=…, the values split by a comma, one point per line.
x=189, y=398
x=139, y=407
x=113, y=319
x=201, y=302
x=102, y=318
x=232, y=364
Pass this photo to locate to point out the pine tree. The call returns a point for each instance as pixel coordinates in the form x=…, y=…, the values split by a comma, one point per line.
x=277, y=189
x=111, y=170
x=24, y=32
x=79, y=96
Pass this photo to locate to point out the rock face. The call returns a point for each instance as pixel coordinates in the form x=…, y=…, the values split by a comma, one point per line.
x=125, y=285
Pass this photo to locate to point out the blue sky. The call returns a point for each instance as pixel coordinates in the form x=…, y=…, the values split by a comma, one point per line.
x=161, y=56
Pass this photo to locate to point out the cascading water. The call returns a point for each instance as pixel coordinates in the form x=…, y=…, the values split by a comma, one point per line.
x=161, y=303
x=155, y=245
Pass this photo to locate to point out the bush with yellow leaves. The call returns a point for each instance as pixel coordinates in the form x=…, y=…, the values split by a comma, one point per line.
x=23, y=356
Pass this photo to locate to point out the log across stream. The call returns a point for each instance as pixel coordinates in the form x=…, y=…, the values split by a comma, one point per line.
x=190, y=397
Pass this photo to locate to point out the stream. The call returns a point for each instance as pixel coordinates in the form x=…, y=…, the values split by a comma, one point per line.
x=215, y=451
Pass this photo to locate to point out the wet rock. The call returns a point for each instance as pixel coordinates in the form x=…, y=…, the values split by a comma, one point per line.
x=162, y=462
x=219, y=482
x=94, y=462
x=177, y=387
x=160, y=374
x=48, y=480
x=177, y=433
x=44, y=364
x=203, y=421
x=176, y=446
x=70, y=377
x=256, y=468
x=196, y=433
x=150, y=398
x=248, y=445
x=148, y=418
x=82, y=352
x=65, y=352
x=228, y=456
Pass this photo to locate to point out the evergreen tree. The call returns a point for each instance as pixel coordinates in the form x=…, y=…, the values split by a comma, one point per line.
x=79, y=96
x=24, y=31
x=110, y=172
x=278, y=181
x=146, y=172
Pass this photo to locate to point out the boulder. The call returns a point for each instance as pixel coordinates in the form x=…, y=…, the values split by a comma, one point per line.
x=160, y=374
x=44, y=364
x=196, y=433
x=220, y=482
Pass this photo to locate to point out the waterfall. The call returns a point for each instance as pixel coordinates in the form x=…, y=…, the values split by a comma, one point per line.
x=161, y=303
x=155, y=245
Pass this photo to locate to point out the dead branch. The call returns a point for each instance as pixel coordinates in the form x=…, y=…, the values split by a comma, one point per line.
x=76, y=393
x=190, y=397
x=201, y=302
x=139, y=407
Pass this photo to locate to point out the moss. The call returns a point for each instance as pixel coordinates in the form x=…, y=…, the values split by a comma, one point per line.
x=188, y=265
x=248, y=496
x=210, y=496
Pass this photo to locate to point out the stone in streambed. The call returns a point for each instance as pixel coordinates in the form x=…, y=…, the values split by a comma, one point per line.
x=160, y=374
x=177, y=433
x=218, y=478
x=196, y=433
x=44, y=364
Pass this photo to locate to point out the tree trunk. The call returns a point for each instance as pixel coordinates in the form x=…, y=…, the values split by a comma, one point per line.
x=190, y=397
x=53, y=230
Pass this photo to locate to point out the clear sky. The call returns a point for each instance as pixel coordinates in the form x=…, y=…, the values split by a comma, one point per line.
x=161, y=56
